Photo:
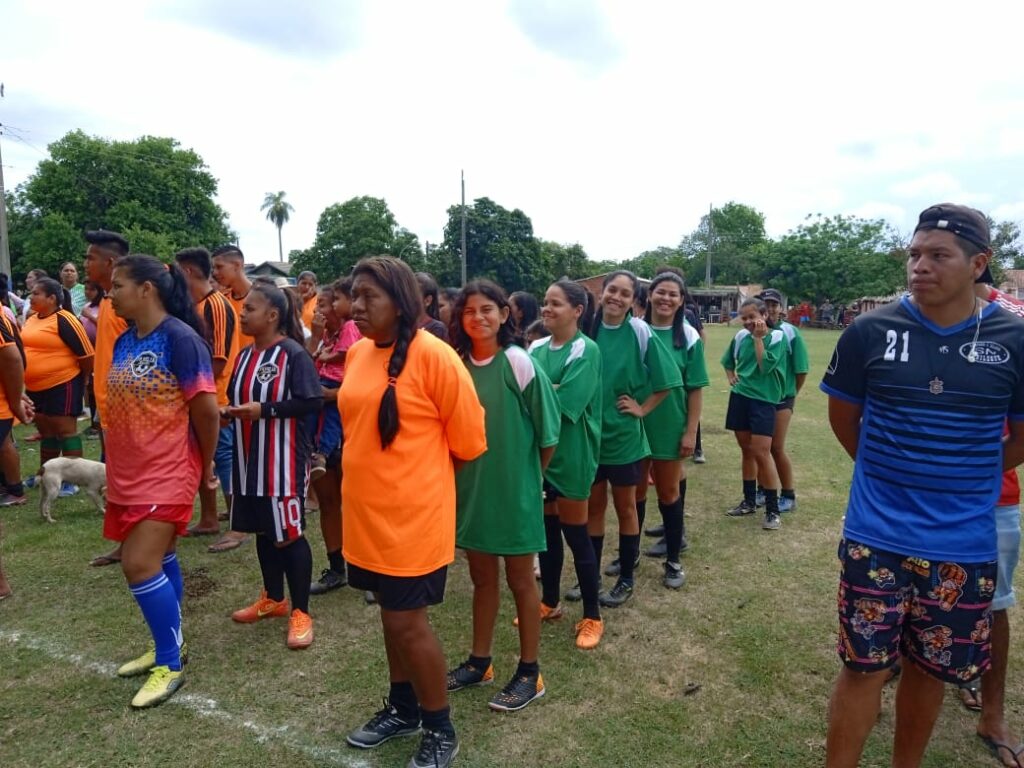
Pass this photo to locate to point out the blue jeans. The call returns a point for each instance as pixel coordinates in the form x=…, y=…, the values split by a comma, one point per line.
x=1008, y=536
x=222, y=457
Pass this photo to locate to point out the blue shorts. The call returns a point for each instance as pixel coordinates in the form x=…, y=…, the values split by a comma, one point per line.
x=1008, y=534
x=328, y=433
x=222, y=457
x=937, y=613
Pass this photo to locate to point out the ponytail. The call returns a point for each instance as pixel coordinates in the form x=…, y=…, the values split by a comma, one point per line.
x=52, y=288
x=171, y=286
x=289, y=319
x=578, y=296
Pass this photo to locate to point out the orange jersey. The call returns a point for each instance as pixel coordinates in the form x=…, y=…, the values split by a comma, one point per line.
x=308, y=310
x=53, y=347
x=221, y=326
x=399, y=503
x=108, y=327
x=8, y=338
x=242, y=340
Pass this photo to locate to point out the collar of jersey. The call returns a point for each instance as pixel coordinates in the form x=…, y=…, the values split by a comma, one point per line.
x=915, y=313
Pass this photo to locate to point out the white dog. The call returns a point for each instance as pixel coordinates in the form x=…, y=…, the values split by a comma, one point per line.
x=90, y=476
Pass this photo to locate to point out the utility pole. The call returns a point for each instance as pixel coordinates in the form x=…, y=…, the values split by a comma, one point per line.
x=463, y=174
x=5, y=251
x=711, y=239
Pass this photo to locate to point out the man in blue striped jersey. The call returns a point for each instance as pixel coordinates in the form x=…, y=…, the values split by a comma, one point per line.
x=919, y=391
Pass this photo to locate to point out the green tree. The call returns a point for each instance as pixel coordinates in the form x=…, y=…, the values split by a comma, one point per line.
x=648, y=262
x=151, y=188
x=1007, y=248
x=565, y=260
x=278, y=211
x=734, y=236
x=840, y=258
x=347, y=232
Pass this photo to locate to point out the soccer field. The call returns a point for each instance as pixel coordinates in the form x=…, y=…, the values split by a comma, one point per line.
x=733, y=670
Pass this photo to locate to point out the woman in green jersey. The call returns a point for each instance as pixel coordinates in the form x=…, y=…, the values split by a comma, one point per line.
x=500, y=510
x=672, y=427
x=751, y=363
x=573, y=364
x=637, y=374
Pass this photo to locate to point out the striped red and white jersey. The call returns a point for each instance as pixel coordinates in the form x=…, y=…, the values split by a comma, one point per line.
x=271, y=455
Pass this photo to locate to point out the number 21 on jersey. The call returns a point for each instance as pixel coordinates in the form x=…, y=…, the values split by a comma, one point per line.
x=892, y=340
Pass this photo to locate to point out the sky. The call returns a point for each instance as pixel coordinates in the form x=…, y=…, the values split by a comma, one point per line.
x=611, y=124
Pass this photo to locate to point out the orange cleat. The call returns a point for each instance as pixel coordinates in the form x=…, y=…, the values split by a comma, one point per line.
x=588, y=633
x=264, y=608
x=546, y=614
x=300, y=630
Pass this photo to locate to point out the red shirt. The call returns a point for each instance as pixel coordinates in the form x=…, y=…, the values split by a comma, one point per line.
x=1009, y=496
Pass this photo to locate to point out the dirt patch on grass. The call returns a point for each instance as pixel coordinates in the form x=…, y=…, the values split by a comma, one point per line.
x=198, y=583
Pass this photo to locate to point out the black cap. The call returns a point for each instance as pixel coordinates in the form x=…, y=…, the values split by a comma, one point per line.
x=962, y=221
x=770, y=294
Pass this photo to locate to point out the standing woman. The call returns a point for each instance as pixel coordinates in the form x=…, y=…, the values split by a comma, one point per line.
x=161, y=429
x=59, y=360
x=501, y=512
x=274, y=396
x=524, y=314
x=751, y=363
x=637, y=375
x=69, y=279
x=573, y=363
x=672, y=426
x=410, y=415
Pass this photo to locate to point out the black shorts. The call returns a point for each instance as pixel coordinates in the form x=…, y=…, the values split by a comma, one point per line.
x=748, y=415
x=6, y=425
x=619, y=474
x=551, y=494
x=789, y=404
x=400, y=593
x=279, y=518
x=63, y=400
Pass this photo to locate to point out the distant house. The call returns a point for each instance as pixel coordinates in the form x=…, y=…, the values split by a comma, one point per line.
x=272, y=269
x=1013, y=283
x=595, y=284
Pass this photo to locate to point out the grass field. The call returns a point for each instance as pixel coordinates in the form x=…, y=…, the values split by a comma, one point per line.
x=754, y=628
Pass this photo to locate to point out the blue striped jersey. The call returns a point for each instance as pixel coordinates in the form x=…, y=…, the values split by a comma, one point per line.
x=929, y=458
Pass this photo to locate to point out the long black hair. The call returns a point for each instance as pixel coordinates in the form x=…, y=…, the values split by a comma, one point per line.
x=51, y=287
x=578, y=296
x=428, y=287
x=289, y=317
x=595, y=324
x=678, y=335
x=170, y=283
x=527, y=304
x=399, y=282
x=483, y=287
x=100, y=293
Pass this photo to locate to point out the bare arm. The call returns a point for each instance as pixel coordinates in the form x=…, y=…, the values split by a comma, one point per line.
x=205, y=418
x=800, y=379
x=627, y=404
x=545, y=456
x=844, y=417
x=1013, y=446
x=12, y=379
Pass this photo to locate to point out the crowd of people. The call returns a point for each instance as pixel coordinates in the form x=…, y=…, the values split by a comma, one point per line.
x=201, y=381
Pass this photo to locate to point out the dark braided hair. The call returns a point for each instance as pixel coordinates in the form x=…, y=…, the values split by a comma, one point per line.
x=51, y=287
x=595, y=324
x=289, y=319
x=170, y=284
x=460, y=339
x=678, y=335
x=398, y=281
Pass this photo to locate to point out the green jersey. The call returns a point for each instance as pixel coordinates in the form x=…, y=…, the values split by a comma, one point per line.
x=666, y=424
x=794, y=361
x=500, y=495
x=757, y=383
x=575, y=370
x=634, y=362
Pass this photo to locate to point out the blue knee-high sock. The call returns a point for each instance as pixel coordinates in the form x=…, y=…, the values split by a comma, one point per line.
x=172, y=570
x=159, y=605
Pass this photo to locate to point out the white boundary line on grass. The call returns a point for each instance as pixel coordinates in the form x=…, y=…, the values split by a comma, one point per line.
x=204, y=706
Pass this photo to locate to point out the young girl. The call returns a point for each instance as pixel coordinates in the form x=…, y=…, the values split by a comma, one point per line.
x=637, y=374
x=672, y=427
x=524, y=314
x=161, y=427
x=273, y=391
x=573, y=363
x=500, y=513
x=322, y=344
x=751, y=363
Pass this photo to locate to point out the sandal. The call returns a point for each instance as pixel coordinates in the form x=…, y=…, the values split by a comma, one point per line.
x=226, y=544
x=972, y=699
x=995, y=747
x=101, y=560
x=195, y=530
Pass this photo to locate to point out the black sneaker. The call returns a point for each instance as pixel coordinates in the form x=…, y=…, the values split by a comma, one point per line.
x=655, y=532
x=519, y=692
x=437, y=750
x=742, y=509
x=614, y=568
x=575, y=594
x=657, y=549
x=466, y=675
x=329, y=580
x=674, y=577
x=772, y=521
x=387, y=724
x=617, y=595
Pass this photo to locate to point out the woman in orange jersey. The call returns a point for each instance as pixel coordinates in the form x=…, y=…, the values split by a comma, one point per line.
x=410, y=414
x=59, y=359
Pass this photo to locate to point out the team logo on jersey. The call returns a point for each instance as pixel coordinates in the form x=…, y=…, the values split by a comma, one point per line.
x=143, y=364
x=267, y=372
x=985, y=352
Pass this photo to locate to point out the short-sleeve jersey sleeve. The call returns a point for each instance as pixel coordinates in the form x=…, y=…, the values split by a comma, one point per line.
x=191, y=364
x=581, y=381
x=457, y=404
x=662, y=370
x=695, y=374
x=542, y=403
x=801, y=362
x=728, y=360
x=304, y=382
x=845, y=378
x=72, y=333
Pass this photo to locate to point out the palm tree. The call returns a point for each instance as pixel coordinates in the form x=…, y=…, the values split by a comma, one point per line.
x=277, y=209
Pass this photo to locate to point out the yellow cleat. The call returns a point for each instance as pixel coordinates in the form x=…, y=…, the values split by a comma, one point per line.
x=161, y=685
x=147, y=661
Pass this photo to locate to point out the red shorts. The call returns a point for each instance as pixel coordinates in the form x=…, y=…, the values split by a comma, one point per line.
x=121, y=518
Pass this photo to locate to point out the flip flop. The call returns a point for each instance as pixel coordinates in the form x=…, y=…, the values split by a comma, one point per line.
x=226, y=545
x=194, y=531
x=994, y=747
x=5, y=595
x=101, y=560
x=975, y=691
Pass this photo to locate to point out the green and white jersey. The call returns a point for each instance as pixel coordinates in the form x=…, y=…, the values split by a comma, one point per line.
x=634, y=362
x=764, y=383
x=795, y=361
x=574, y=369
x=666, y=424
x=500, y=495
